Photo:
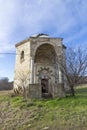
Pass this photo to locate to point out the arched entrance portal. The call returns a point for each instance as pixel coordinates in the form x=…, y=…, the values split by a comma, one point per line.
x=45, y=58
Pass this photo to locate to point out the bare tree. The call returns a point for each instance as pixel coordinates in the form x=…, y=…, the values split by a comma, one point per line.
x=75, y=68
x=21, y=82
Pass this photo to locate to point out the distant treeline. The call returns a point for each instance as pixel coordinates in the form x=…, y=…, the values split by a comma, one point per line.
x=83, y=80
x=5, y=84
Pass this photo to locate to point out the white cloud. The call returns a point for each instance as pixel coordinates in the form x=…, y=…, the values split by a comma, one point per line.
x=7, y=23
x=55, y=17
x=77, y=35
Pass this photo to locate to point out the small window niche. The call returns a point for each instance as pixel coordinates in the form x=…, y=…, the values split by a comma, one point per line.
x=22, y=57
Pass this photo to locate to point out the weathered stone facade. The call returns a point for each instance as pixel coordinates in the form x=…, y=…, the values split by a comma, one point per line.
x=37, y=66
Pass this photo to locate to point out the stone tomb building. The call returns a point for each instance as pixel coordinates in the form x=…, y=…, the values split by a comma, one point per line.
x=37, y=66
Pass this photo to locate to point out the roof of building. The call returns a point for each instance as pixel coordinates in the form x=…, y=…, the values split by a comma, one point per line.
x=40, y=35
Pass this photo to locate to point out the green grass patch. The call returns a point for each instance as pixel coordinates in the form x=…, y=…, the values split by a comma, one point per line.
x=63, y=114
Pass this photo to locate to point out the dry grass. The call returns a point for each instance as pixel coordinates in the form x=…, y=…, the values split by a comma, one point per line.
x=69, y=113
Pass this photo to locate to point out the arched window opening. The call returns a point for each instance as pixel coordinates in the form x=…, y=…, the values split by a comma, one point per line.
x=22, y=56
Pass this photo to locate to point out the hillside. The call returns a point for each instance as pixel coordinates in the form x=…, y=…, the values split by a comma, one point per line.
x=69, y=113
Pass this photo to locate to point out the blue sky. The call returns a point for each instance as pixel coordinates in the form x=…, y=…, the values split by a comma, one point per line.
x=20, y=19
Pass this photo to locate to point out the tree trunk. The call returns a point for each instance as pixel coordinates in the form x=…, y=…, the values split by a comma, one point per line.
x=72, y=90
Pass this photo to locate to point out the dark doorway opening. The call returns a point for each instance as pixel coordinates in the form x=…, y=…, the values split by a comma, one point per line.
x=44, y=85
x=45, y=88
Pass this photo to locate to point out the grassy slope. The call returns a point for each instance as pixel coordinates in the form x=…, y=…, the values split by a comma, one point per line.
x=57, y=114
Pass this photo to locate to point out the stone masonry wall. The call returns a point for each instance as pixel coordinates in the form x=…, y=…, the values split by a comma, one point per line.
x=26, y=67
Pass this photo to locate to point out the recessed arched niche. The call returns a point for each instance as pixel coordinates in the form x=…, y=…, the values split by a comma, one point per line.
x=45, y=54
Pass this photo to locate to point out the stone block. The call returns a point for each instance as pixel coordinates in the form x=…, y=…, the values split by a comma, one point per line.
x=59, y=91
x=34, y=91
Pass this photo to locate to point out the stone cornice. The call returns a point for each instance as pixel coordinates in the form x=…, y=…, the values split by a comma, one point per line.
x=22, y=42
x=39, y=38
